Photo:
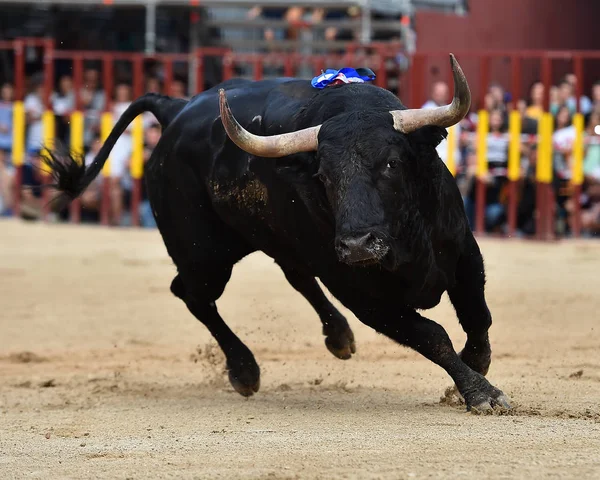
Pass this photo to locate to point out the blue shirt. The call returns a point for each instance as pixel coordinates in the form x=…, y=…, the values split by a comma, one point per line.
x=6, y=114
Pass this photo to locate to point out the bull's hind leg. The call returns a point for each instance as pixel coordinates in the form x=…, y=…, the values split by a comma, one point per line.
x=339, y=338
x=205, y=251
x=199, y=286
x=468, y=299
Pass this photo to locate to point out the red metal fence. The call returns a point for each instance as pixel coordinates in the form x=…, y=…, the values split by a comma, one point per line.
x=514, y=69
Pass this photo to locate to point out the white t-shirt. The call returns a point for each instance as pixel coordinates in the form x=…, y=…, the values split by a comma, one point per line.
x=563, y=138
x=442, y=148
x=33, y=104
x=118, y=110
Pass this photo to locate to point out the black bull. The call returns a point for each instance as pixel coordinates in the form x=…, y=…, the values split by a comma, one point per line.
x=354, y=195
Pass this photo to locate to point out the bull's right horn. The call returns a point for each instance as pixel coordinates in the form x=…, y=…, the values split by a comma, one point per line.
x=274, y=146
x=406, y=121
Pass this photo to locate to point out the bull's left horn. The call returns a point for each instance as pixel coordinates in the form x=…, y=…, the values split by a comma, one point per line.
x=273, y=146
x=407, y=121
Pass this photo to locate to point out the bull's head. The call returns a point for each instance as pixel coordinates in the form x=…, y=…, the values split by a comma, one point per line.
x=364, y=160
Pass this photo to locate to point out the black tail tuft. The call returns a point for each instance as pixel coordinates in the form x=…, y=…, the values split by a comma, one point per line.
x=68, y=173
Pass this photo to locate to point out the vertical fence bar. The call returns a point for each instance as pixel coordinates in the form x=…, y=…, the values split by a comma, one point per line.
x=288, y=66
x=168, y=65
x=484, y=79
x=258, y=68
x=107, y=79
x=138, y=76
x=482, y=171
x=77, y=131
x=514, y=168
x=19, y=48
x=578, y=68
x=547, y=80
x=516, y=80
x=578, y=122
x=417, y=80
x=48, y=89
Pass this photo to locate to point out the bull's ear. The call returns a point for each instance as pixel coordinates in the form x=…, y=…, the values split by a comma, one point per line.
x=429, y=135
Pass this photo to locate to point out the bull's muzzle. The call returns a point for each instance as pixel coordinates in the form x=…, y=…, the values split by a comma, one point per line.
x=361, y=250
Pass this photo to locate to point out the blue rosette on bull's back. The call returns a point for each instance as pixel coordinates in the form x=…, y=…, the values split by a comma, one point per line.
x=344, y=75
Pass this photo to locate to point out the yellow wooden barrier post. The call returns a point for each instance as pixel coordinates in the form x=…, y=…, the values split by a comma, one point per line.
x=137, y=168
x=18, y=151
x=483, y=122
x=578, y=123
x=77, y=135
x=514, y=151
x=578, y=174
x=137, y=149
x=451, y=144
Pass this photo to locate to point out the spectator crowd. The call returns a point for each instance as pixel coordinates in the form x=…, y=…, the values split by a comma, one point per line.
x=498, y=103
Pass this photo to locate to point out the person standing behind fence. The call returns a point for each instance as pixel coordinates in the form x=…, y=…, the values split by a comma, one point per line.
x=34, y=108
x=63, y=104
x=496, y=179
x=6, y=113
x=120, y=155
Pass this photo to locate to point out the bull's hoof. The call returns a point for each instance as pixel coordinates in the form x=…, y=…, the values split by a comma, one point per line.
x=491, y=404
x=245, y=381
x=245, y=390
x=484, y=397
x=341, y=344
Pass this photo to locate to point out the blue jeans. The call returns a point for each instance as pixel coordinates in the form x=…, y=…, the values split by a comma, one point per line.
x=146, y=217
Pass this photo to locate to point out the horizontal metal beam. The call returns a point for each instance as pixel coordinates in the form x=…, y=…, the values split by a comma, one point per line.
x=204, y=3
x=286, y=44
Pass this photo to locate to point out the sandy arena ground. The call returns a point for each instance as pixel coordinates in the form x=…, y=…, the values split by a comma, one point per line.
x=106, y=375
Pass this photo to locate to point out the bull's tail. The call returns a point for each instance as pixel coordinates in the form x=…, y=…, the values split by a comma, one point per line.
x=70, y=175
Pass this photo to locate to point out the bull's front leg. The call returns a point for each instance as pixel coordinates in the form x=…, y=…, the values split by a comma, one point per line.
x=339, y=338
x=407, y=327
x=468, y=298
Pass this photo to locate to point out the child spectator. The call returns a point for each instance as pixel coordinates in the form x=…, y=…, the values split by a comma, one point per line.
x=6, y=113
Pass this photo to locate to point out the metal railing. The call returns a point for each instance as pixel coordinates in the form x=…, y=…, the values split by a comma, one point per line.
x=375, y=58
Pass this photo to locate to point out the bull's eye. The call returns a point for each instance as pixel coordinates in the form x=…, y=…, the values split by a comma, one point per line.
x=321, y=176
x=392, y=164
